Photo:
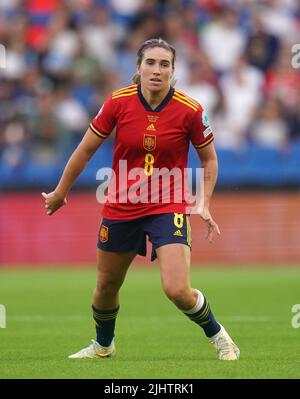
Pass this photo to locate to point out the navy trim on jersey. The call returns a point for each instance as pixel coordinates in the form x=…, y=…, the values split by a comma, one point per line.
x=161, y=106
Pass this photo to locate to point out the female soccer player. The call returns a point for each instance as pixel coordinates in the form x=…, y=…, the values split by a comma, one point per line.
x=154, y=125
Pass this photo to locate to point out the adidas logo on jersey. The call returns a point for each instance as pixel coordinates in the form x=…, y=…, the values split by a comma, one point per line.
x=178, y=233
x=151, y=127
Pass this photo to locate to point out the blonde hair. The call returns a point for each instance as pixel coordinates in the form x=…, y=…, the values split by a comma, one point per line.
x=152, y=43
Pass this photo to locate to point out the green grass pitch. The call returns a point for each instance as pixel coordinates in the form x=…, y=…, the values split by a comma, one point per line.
x=48, y=317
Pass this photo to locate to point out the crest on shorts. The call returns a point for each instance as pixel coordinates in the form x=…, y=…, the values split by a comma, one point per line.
x=103, y=233
x=149, y=142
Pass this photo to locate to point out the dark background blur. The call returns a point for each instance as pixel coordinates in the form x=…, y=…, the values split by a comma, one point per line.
x=64, y=58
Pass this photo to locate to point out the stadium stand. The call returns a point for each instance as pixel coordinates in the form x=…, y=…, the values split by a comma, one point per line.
x=63, y=58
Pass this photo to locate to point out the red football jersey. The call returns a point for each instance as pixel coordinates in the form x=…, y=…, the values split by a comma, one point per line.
x=150, y=144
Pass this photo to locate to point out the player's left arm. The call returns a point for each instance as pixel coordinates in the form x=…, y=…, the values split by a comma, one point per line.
x=209, y=163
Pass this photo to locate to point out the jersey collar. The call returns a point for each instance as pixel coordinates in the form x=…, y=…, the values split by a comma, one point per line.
x=161, y=106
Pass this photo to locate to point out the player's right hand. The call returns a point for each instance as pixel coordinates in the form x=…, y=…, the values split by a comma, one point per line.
x=53, y=202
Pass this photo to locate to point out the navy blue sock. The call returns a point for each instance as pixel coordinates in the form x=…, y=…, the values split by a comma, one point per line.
x=205, y=319
x=105, y=324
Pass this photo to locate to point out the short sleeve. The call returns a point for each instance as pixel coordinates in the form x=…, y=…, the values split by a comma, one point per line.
x=201, y=133
x=104, y=122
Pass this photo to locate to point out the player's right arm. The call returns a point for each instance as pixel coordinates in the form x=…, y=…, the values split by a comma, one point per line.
x=76, y=164
x=99, y=129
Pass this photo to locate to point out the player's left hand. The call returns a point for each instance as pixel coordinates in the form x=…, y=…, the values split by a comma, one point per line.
x=53, y=202
x=212, y=227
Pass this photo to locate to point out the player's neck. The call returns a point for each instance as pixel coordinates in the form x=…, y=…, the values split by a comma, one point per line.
x=154, y=98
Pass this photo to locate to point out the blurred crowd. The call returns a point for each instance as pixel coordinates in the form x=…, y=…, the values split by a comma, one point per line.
x=65, y=57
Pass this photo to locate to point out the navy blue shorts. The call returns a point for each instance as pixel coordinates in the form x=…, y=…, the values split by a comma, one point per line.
x=131, y=235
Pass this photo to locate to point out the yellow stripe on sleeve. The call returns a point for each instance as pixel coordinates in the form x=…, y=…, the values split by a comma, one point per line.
x=187, y=98
x=124, y=89
x=197, y=146
x=96, y=131
x=184, y=102
x=124, y=94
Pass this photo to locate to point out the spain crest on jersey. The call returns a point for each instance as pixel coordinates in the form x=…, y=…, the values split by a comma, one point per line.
x=103, y=234
x=149, y=142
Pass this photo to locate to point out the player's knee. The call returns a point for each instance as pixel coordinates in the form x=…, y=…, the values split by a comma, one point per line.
x=176, y=294
x=107, y=288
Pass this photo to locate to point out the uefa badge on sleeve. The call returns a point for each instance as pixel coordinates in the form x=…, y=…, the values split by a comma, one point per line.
x=205, y=120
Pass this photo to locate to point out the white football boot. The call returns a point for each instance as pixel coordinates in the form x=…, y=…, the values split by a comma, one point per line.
x=224, y=345
x=95, y=350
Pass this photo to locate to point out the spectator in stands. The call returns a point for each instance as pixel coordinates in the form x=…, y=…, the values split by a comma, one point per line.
x=100, y=37
x=262, y=47
x=270, y=128
x=202, y=84
x=70, y=113
x=283, y=81
x=278, y=19
x=15, y=142
x=293, y=118
x=223, y=40
x=242, y=90
x=51, y=139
